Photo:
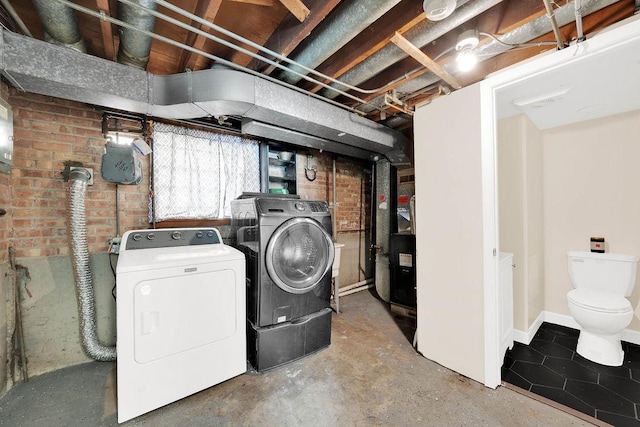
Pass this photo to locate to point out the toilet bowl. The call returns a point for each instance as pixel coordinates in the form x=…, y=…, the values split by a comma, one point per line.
x=598, y=302
x=602, y=317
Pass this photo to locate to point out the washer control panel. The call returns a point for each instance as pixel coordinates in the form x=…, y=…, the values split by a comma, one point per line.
x=172, y=237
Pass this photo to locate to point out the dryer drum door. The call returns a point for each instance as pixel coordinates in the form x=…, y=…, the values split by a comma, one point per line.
x=299, y=254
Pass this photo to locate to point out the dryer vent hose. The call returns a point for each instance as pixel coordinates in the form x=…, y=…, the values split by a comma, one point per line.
x=77, y=232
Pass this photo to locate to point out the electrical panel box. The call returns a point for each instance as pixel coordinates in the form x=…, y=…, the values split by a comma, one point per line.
x=6, y=137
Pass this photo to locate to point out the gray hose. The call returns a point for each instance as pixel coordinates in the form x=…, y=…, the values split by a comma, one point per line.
x=77, y=231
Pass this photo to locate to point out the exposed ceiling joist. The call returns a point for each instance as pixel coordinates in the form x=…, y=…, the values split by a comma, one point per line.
x=423, y=59
x=208, y=9
x=107, y=31
x=297, y=8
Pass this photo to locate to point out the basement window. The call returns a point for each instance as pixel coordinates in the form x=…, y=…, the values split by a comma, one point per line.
x=197, y=173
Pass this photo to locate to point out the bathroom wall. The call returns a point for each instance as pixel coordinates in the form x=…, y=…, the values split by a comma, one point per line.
x=591, y=178
x=449, y=240
x=520, y=201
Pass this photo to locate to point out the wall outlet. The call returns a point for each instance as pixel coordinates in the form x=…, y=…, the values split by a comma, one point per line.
x=114, y=245
x=90, y=170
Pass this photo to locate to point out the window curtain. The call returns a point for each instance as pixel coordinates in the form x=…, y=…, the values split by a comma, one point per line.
x=196, y=174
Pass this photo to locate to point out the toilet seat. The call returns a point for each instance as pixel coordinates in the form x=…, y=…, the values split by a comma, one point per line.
x=599, y=301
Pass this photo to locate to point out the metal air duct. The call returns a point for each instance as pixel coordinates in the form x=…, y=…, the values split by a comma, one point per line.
x=60, y=24
x=46, y=69
x=77, y=235
x=135, y=47
x=420, y=35
x=349, y=20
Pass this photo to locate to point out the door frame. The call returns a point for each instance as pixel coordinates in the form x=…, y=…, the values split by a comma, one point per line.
x=626, y=31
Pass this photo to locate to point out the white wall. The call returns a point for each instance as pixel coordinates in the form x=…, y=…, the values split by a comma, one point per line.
x=591, y=179
x=449, y=259
x=519, y=146
x=510, y=208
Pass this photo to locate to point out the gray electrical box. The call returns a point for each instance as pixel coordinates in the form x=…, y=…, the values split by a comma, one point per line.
x=121, y=164
x=6, y=137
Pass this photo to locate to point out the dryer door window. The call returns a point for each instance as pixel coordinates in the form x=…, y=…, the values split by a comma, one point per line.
x=299, y=254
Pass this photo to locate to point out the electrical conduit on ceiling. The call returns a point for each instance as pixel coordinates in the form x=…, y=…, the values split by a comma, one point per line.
x=420, y=35
x=349, y=20
x=527, y=32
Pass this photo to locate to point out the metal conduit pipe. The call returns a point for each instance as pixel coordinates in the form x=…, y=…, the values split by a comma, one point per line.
x=534, y=29
x=135, y=47
x=420, y=35
x=554, y=24
x=60, y=24
x=578, y=13
x=14, y=15
x=77, y=235
x=335, y=31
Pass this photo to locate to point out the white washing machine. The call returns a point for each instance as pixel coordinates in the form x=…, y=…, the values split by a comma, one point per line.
x=180, y=316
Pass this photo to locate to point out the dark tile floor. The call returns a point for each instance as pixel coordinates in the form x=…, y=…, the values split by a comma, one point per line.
x=550, y=367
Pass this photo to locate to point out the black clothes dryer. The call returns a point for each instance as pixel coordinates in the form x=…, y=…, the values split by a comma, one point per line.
x=289, y=253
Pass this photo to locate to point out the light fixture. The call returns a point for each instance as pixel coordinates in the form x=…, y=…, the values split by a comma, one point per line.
x=437, y=10
x=467, y=41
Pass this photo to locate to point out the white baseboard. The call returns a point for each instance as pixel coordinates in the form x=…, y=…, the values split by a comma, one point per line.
x=523, y=337
x=560, y=319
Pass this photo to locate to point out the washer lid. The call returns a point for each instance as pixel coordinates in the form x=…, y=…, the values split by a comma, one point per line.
x=599, y=301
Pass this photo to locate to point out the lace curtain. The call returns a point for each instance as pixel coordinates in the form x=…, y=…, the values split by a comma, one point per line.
x=196, y=174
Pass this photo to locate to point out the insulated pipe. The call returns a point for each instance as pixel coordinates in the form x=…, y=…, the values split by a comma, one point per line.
x=529, y=31
x=77, y=234
x=554, y=24
x=338, y=29
x=60, y=24
x=135, y=47
x=420, y=35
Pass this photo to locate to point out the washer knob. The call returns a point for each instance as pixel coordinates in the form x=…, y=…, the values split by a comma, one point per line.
x=210, y=233
x=137, y=237
x=176, y=235
x=199, y=234
x=151, y=236
x=299, y=206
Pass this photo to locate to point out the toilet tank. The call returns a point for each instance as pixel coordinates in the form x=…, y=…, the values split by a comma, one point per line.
x=608, y=272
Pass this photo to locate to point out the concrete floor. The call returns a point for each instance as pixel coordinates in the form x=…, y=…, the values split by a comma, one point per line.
x=369, y=376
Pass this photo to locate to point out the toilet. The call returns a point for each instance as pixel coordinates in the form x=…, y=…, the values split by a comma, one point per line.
x=597, y=303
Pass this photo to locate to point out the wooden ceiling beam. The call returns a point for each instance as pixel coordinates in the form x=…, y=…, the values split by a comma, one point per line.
x=423, y=59
x=258, y=2
x=107, y=31
x=291, y=32
x=207, y=9
x=297, y=8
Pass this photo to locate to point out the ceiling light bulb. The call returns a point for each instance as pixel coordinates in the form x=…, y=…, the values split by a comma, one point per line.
x=437, y=10
x=466, y=60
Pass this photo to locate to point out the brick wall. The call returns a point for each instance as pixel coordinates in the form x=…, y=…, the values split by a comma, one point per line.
x=353, y=180
x=47, y=132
